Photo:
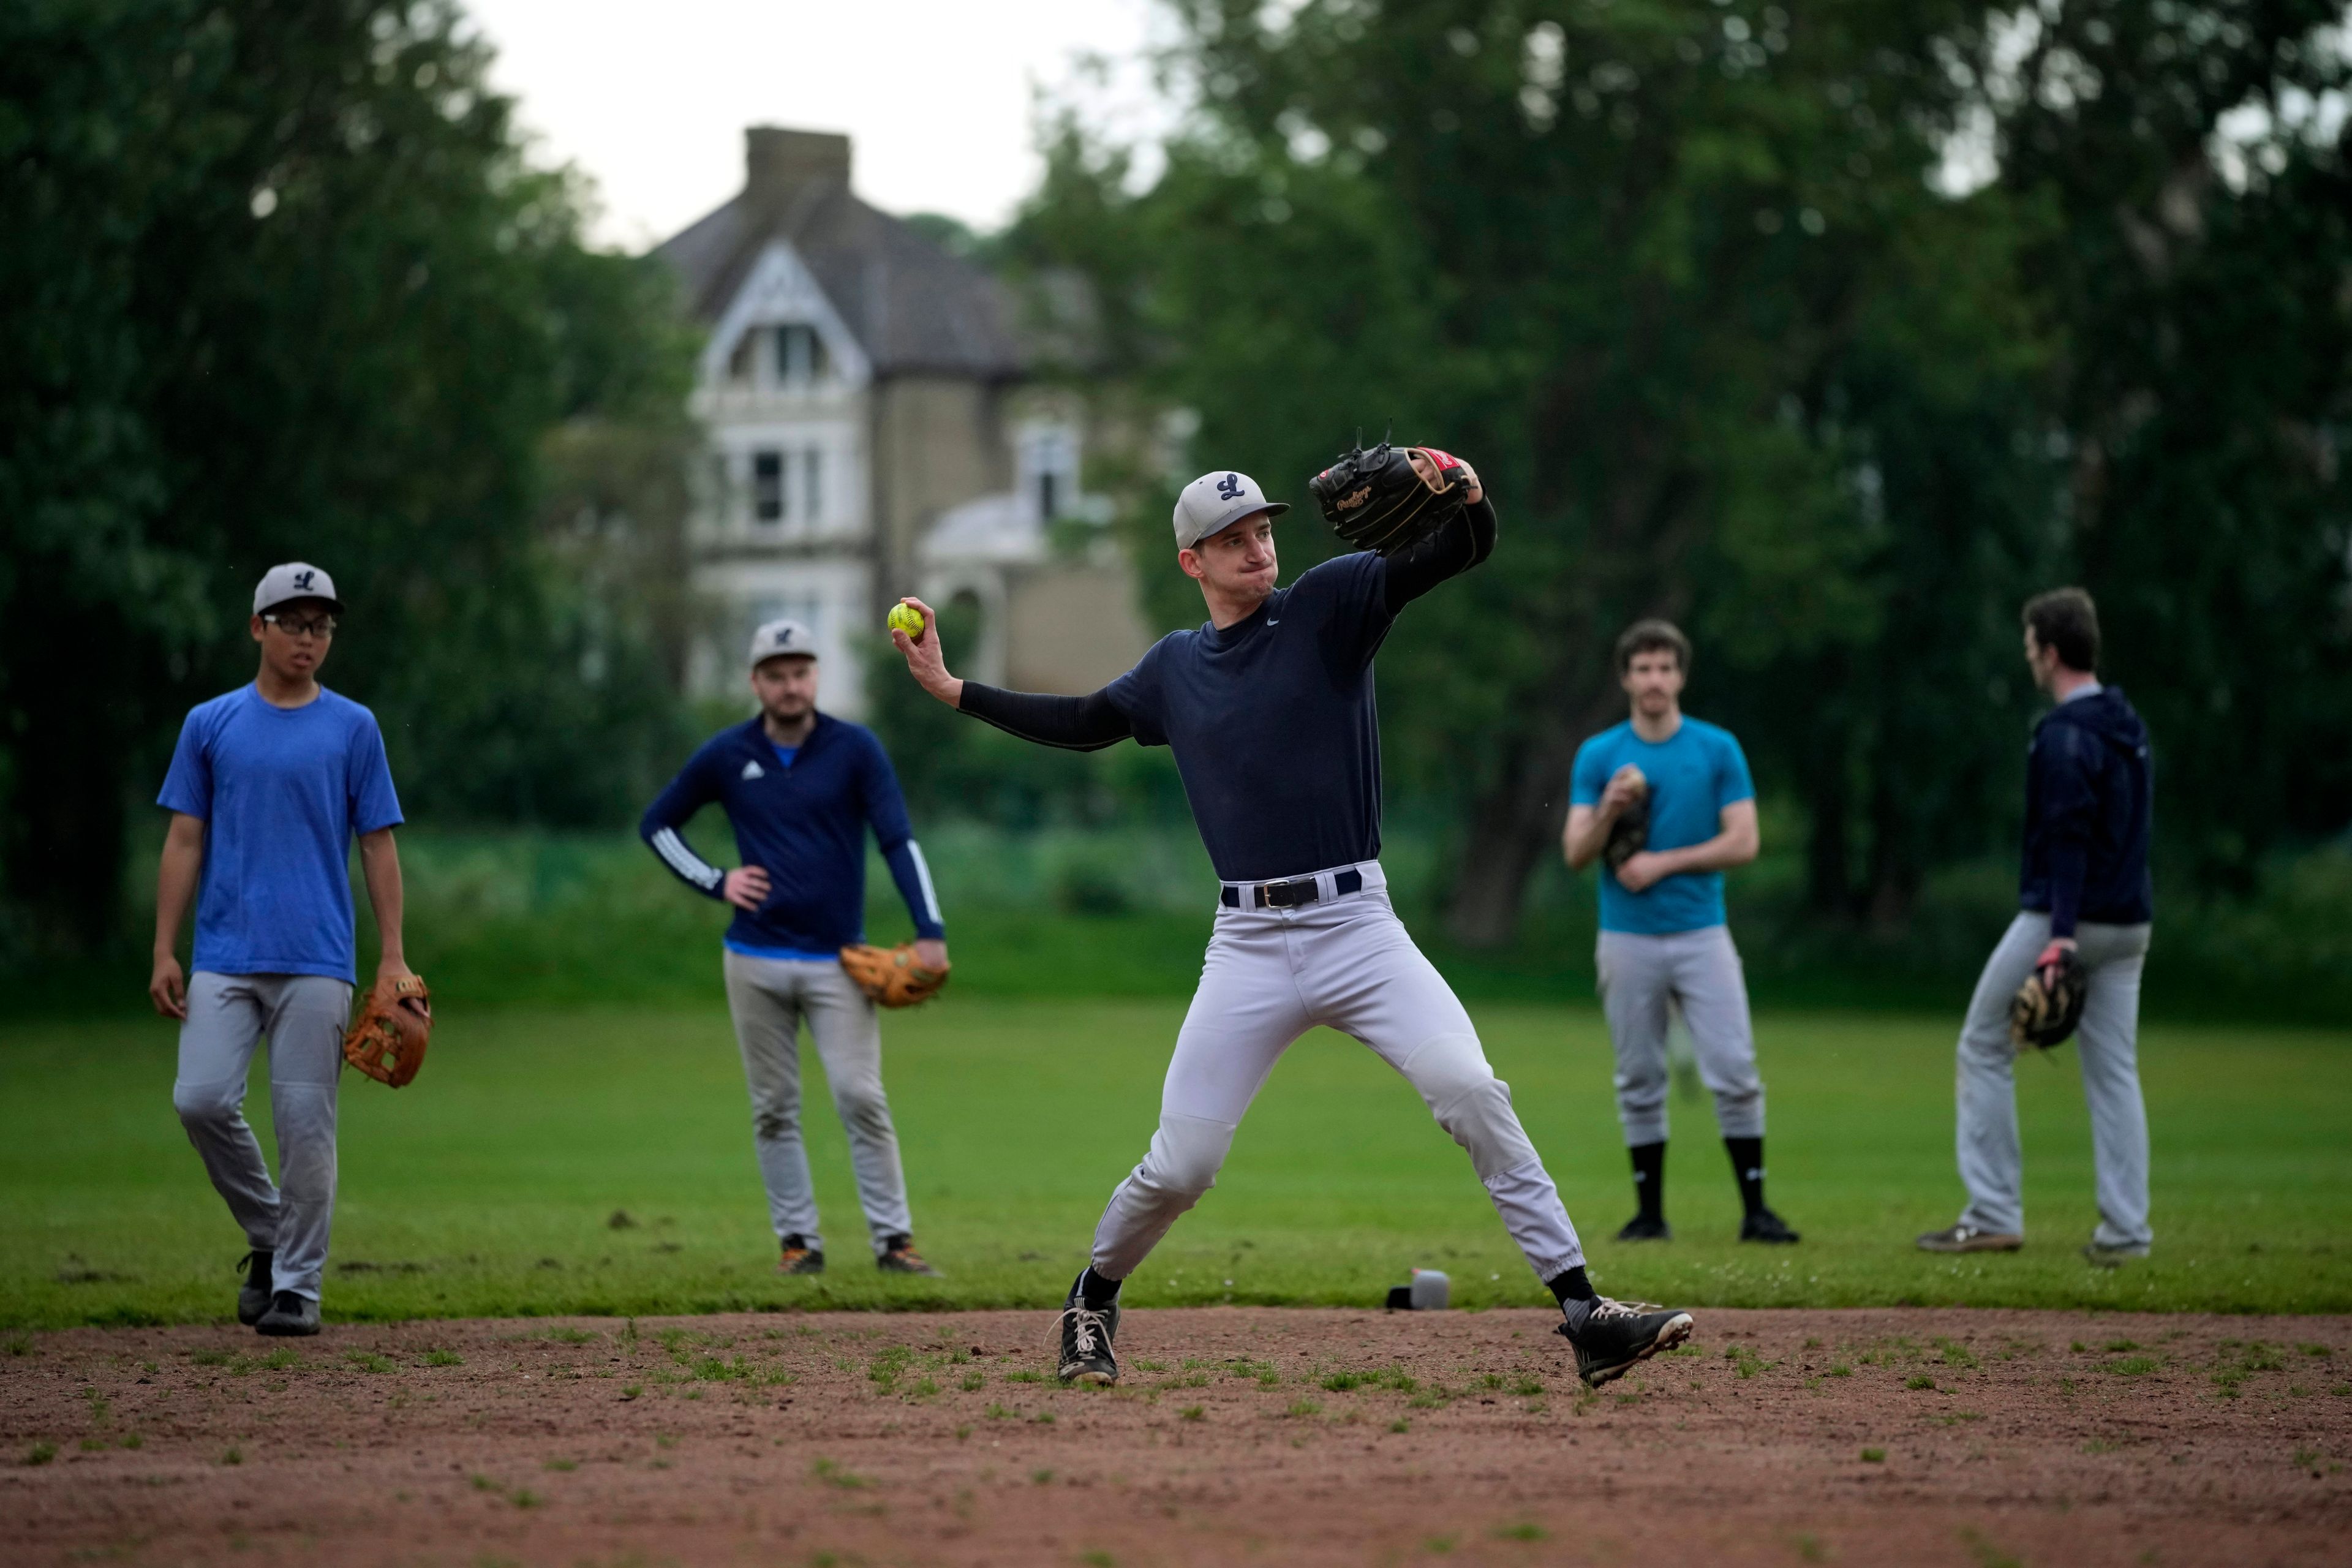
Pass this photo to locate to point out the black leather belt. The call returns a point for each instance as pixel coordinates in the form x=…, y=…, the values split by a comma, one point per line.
x=1291, y=894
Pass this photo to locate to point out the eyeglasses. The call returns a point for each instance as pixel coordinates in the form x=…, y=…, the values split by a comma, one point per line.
x=302, y=626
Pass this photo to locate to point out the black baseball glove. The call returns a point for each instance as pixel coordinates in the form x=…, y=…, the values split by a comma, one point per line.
x=2048, y=1005
x=1628, y=835
x=1390, y=498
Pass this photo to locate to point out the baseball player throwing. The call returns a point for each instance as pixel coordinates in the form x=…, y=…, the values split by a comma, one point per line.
x=1269, y=709
x=801, y=788
x=1667, y=803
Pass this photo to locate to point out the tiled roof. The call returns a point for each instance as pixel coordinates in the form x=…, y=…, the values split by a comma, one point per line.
x=911, y=306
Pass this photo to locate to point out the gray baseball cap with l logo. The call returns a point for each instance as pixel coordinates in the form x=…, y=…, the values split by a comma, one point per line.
x=1214, y=503
x=294, y=580
x=781, y=639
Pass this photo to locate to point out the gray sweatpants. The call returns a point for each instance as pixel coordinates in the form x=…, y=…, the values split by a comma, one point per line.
x=1640, y=974
x=304, y=1016
x=769, y=997
x=1991, y=1162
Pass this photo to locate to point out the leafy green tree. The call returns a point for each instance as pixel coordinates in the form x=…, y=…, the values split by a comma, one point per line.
x=276, y=281
x=1616, y=254
x=2193, y=158
x=1684, y=279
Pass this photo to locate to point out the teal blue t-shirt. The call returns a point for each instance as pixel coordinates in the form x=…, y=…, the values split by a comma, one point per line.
x=1694, y=773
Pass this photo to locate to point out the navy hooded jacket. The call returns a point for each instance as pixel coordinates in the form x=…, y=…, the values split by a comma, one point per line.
x=805, y=824
x=2090, y=801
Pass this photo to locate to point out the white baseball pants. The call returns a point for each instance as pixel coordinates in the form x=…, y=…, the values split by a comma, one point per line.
x=1271, y=974
x=304, y=1016
x=1992, y=1162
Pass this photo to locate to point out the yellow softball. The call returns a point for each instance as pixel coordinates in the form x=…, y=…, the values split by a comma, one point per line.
x=907, y=619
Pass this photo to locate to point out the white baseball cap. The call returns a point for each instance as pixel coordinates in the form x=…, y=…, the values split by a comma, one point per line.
x=781, y=639
x=1214, y=503
x=294, y=580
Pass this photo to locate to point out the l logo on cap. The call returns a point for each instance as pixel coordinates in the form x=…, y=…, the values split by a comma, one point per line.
x=302, y=578
x=1230, y=486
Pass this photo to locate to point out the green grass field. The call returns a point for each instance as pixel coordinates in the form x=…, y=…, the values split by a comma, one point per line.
x=492, y=1185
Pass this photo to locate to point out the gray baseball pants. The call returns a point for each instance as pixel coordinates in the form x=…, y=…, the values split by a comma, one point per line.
x=1347, y=961
x=1640, y=975
x=1992, y=1164
x=304, y=1016
x=769, y=997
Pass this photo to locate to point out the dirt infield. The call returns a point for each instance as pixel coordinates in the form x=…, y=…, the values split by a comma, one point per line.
x=1277, y=1436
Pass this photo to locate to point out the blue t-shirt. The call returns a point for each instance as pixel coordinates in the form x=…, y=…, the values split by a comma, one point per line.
x=281, y=792
x=1694, y=773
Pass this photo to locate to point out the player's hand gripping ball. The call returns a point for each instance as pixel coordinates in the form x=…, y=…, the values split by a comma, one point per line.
x=907, y=619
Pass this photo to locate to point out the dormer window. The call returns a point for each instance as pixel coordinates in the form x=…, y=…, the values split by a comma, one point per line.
x=791, y=356
x=800, y=355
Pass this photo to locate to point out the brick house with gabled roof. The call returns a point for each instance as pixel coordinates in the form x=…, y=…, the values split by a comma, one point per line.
x=875, y=430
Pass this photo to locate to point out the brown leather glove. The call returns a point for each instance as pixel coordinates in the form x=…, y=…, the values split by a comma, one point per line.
x=890, y=974
x=2050, y=1003
x=388, y=1039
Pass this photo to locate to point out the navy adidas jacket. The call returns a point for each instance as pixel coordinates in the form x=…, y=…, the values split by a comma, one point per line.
x=2090, y=804
x=805, y=824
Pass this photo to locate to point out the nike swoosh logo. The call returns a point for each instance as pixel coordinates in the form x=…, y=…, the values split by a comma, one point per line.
x=1272, y=622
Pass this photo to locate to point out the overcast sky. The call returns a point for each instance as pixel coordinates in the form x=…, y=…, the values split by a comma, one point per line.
x=651, y=99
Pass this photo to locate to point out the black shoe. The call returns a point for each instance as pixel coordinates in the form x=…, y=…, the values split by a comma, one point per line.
x=1641, y=1227
x=795, y=1258
x=1619, y=1334
x=1086, y=1334
x=253, y=1296
x=900, y=1257
x=1765, y=1226
x=289, y=1315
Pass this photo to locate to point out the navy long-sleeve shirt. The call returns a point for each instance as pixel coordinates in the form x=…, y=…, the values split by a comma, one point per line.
x=1272, y=720
x=2090, y=805
x=802, y=818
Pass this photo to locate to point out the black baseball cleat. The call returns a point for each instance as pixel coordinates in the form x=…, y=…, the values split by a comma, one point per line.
x=253, y=1296
x=795, y=1256
x=900, y=1257
x=1641, y=1227
x=1765, y=1226
x=1086, y=1334
x=1618, y=1336
x=289, y=1315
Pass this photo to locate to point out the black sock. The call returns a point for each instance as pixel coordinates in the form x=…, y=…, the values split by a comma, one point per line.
x=1095, y=1291
x=1572, y=1286
x=1747, y=1165
x=1650, y=1177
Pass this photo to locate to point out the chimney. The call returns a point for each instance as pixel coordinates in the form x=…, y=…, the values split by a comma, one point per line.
x=779, y=164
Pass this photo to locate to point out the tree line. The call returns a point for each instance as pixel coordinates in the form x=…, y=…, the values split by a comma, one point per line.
x=277, y=283
x=1830, y=328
